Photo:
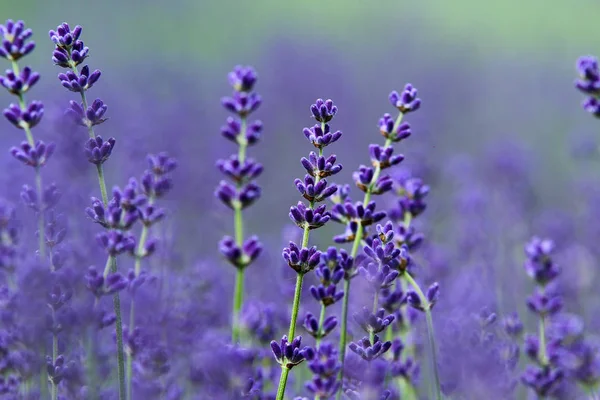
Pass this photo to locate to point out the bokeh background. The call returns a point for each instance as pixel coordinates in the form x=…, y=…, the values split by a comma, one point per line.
x=501, y=136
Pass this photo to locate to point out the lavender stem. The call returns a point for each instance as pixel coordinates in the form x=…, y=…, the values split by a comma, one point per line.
x=320, y=330
x=430, y=334
x=353, y=253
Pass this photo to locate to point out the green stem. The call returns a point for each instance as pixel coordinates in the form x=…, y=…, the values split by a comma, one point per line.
x=119, y=333
x=430, y=334
x=355, y=245
x=542, y=332
x=282, y=383
x=238, y=227
x=320, y=330
x=375, y=306
x=54, y=386
x=295, y=306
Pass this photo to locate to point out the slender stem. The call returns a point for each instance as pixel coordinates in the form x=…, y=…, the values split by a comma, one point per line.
x=295, y=306
x=119, y=332
x=238, y=227
x=282, y=383
x=375, y=306
x=430, y=333
x=320, y=330
x=53, y=385
x=542, y=332
x=355, y=245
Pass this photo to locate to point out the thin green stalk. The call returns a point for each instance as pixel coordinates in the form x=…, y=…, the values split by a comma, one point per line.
x=430, y=333
x=282, y=383
x=321, y=321
x=542, y=333
x=355, y=246
x=119, y=329
x=375, y=306
x=238, y=222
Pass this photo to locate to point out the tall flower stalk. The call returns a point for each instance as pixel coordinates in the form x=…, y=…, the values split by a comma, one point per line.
x=357, y=217
x=243, y=191
x=302, y=259
x=15, y=45
x=69, y=53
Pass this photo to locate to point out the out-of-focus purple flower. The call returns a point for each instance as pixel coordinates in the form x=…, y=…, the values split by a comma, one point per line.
x=513, y=325
x=387, y=125
x=27, y=118
x=80, y=82
x=544, y=381
x=370, y=351
x=50, y=197
x=9, y=237
x=412, y=193
x=544, y=303
x=19, y=83
x=539, y=264
x=311, y=324
x=55, y=369
x=432, y=295
x=354, y=216
x=15, y=40
x=242, y=103
x=406, y=101
x=240, y=257
x=240, y=172
x=233, y=131
x=116, y=242
x=384, y=157
x=324, y=365
x=289, y=354
x=34, y=156
x=242, y=78
x=232, y=197
x=97, y=150
x=589, y=75
x=301, y=260
x=100, y=286
x=93, y=115
x=373, y=323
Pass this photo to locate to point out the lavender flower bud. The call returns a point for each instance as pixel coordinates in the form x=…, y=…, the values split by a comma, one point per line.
x=544, y=303
x=55, y=369
x=240, y=257
x=326, y=295
x=321, y=138
x=233, y=129
x=513, y=325
x=149, y=215
x=301, y=260
x=342, y=195
x=92, y=116
x=79, y=83
x=539, y=265
x=383, y=157
x=19, y=84
x=373, y=323
x=29, y=117
x=239, y=172
x=406, y=101
x=325, y=366
x=311, y=324
x=364, y=181
x=589, y=75
x=412, y=193
x=289, y=354
x=116, y=242
x=592, y=105
x=233, y=198
x=370, y=351
x=57, y=297
x=320, y=166
x=378, y=276
x=386, y=127
x=309, y=218
x=314, y=191
x=99, y=286
x=98, y=151
x=432, y=296
x=34, y=156
x=242, y=103
x=323, y=111
x=15, y=42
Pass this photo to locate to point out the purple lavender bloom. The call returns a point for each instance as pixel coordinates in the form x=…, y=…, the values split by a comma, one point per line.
x=589, y=75
x=97, y=150
x=363, y=178
x=242, y=103
x=513, y=325
x=233, y=198
x=306, y=217
x=240, y=257
x=592, y=105
x=354, y=216
x=79, y=82
x=383, y=157
x=324, y=365
x=323, y=110
x=544, y=303
x=301, y=260
x=21, y=83
x=240, y=172
x=540, y=265
x=370, y=351
x=50, y=197
x=34, y=156
x=289, y=354
x=9, y=237
x=327, y=294
x=15, y=42
x=233, y=130
x=116, y=242
x=93, y=115
x=432, y=295
x=320, y=166
x=386, y=127
x=321, y=137
x=242, y=78
x=373, y=323
x=311, y=324
x=314, y=191
x=406, y=101
x=100, y=286
x=412, y=193
x=544, y=381
x=27, y=118
x=377, y=275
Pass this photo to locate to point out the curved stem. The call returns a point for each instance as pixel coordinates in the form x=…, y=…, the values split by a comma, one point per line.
x=355, y=245
x=430, y=333
x=282, y=383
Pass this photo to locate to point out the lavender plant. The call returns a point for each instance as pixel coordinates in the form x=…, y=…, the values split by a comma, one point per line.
x=241, y=171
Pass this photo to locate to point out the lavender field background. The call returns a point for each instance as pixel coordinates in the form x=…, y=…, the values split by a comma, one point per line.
x=500, y=138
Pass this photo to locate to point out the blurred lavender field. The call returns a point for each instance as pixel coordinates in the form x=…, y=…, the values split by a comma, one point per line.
x=501, y=140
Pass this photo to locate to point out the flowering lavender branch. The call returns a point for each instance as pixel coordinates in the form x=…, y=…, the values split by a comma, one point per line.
x=369, y=181
x=313, y=188
x=242, y=171
x=69, y=53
